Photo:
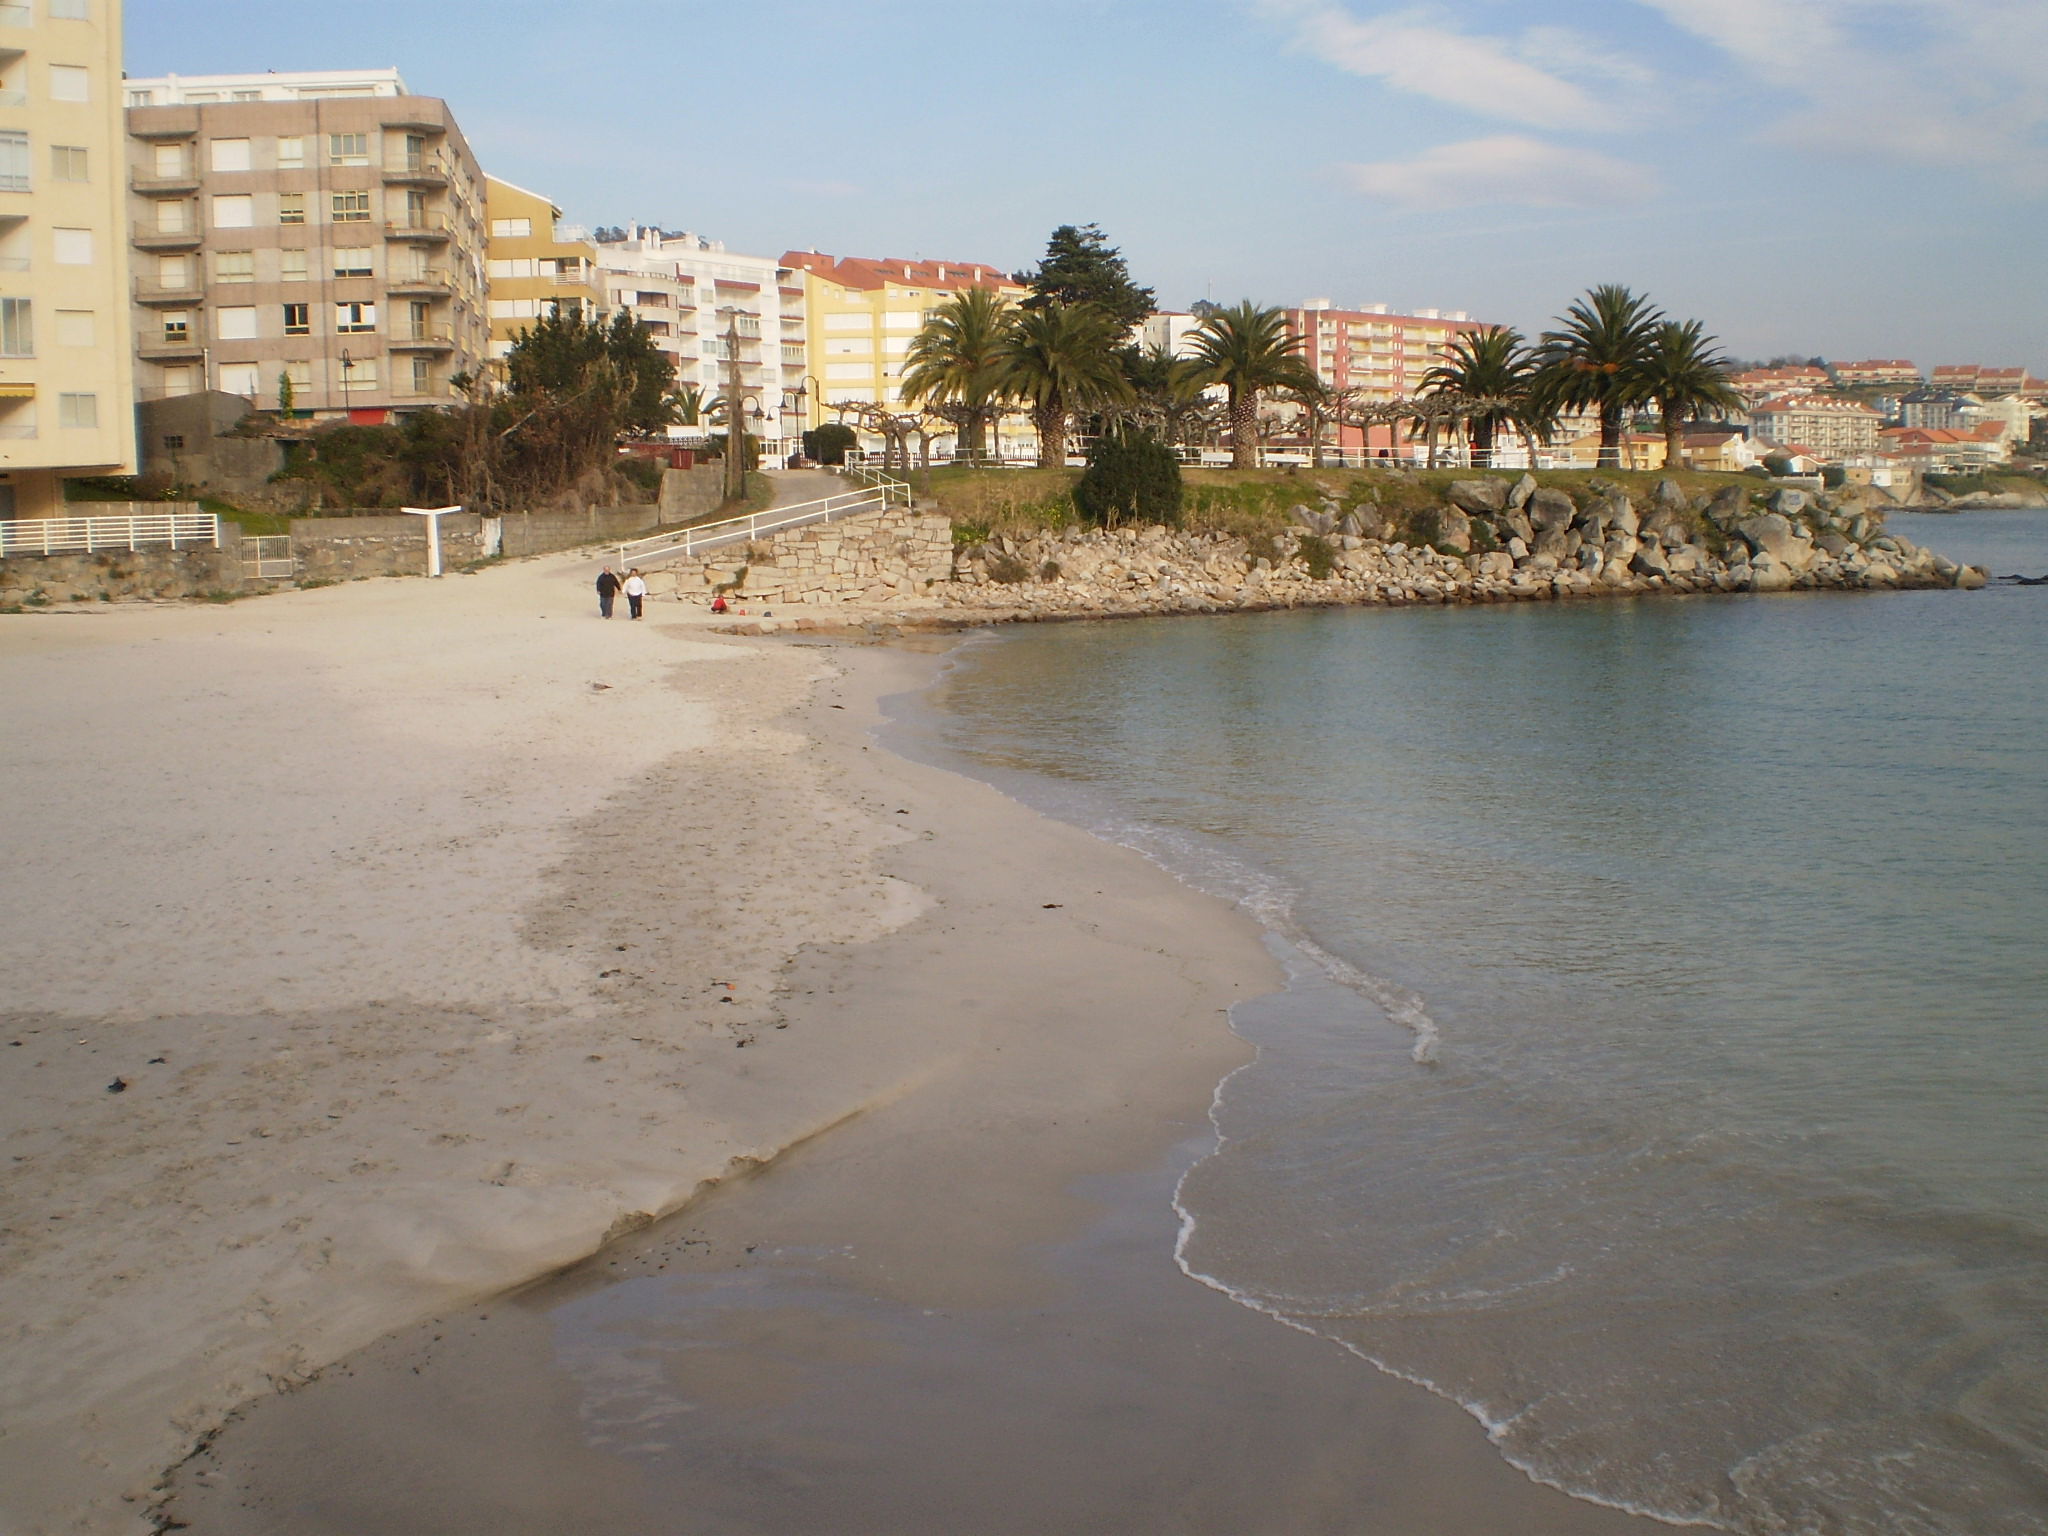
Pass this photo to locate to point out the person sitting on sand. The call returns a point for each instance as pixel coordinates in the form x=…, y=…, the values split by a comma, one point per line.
x=636, y=590
x=607, y=589
x=719, y=604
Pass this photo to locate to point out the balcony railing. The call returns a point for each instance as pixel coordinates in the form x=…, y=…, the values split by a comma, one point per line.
x=430, y=226
x=17, y=434
x=156, y=184
x=408, y=335
x=60, y=535
x=424, y=170
x=168, y=344
x=149, y=290
x=149, y=237
x=431, y=281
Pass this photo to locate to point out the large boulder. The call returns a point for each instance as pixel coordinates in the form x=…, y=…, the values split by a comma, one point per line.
x=1667, y=526
x=1520, y=492
x=1788, y=502
x=1769, y=533
x=1478, y=496
x=1727, y=506
x=1667, y=493
x=1551, y=508
x=1649, y=561
x=1767, y=574
x=1555, y=542
x=1453, y=530
x=1621, y=515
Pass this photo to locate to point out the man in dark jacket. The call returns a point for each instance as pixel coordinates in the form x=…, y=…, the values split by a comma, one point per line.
x=607, y=589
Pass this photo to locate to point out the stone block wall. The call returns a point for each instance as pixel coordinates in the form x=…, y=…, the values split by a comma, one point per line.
x=39, y=581
x=539, y=533
x=877, y=557
x=343, y=548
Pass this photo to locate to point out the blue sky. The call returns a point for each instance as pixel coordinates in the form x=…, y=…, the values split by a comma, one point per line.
x=1854, y=178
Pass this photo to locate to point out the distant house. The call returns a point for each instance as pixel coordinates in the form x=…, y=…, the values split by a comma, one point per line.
x=1886, y=370
x=1730, y=451
x=1768, y=383
x=1947, y=450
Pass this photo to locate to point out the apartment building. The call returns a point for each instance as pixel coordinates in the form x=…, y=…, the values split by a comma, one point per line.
x=1832, y=429
x=694, y=297
x=1890, y=370
x=1773, y=383
x=533, y=270
x=66, y=373
x=862, y=314
x=315, y=237
x=1375, y=351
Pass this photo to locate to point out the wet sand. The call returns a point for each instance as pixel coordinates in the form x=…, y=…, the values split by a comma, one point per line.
x=956, y=1311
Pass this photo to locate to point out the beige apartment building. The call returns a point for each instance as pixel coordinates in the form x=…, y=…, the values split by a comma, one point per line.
x=313, y=239
x=533, y=271
x=1832, y=429
x=66, y=375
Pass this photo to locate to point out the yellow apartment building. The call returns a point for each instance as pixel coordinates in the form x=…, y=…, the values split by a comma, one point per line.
x=67, y=385
x=533, y=271
x=861, y=314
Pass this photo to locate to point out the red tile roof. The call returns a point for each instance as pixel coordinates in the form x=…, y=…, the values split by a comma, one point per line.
x=869, y=273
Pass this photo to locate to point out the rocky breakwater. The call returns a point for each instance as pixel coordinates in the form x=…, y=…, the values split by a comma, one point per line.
x=1491, y=540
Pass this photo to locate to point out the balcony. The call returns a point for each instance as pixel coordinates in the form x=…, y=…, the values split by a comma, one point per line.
x=420, y=338
x=163, y=122
x=432, y=282
x=148, y=237
x=168, y=346
x=416, y=171
x=415, y=120
x=432, y=227
x=149, y=184
x=150, y=291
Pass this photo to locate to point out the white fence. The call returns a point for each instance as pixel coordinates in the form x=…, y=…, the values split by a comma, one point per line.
x=704, y=537
x=86, y=535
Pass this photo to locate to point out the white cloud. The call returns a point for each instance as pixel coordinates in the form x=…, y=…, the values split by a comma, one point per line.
x=1505, y=168
x=1523, y=81
x=1894, y=79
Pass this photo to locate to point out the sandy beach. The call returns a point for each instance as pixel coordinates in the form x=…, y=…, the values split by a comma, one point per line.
x=375, y=950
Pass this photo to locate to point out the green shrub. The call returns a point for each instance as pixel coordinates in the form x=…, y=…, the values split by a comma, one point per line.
x=1007, y=569
x=1318, y=554
x=1131, y=477
x=828, y=444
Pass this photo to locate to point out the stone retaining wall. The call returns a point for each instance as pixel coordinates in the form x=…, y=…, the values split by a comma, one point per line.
x=343, y=548
x=876, y=557
x=36, y=581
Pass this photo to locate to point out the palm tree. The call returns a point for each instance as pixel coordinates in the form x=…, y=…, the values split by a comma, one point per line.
x=1058, y=360
x=1489, y=373
x=1249, y=350
x=1595, y=359
x=1315, y=401
x=1167, y=390
x=957, y=360
x=1686, y=377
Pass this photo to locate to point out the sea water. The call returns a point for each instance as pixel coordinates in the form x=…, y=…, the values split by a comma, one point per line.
x=1680, y=1101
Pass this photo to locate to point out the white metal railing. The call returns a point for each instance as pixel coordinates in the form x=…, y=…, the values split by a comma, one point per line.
x=735, y=530
x=72, y=535
x=897, y=491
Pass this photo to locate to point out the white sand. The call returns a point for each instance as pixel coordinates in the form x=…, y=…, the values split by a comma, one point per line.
x=429, y=1023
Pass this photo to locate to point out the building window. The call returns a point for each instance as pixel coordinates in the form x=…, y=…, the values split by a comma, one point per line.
x=360, y=375
x=348, y=149
x=13, y=162
x=67, y=162
x=291, y=154
x=234, y=266
x=70, y=10
x=238, y=212
x=351, y=318
x=17, y=328
x=511, y=229
x=298, y=319
x=422, y=376
x=75, y=328
x=351, y=207
x=70, y=82
x=235, y=322
x=78, y=411
x=352, y=261
x=173, y=442
x=291, y=266
x=230, y=154
x=245, y=95
x=245, y=379
x=301, y=376
x=141, y=98
x=71, y=247
x=177, y=326
x=291, y=207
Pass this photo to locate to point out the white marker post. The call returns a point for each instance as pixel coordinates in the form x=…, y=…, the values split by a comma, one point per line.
x=433, y=515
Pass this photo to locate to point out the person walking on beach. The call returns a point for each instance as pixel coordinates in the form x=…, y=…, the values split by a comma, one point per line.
x=636, y=590
x=607, y=589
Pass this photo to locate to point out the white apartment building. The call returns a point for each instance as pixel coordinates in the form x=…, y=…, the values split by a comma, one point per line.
x=691, y=295
x=66, y=369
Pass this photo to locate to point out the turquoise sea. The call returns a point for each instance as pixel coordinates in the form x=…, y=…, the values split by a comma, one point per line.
x=1665, y=1073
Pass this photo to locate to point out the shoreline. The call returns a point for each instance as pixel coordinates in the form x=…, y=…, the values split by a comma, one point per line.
x=971, y=1210
x=457, y=1084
